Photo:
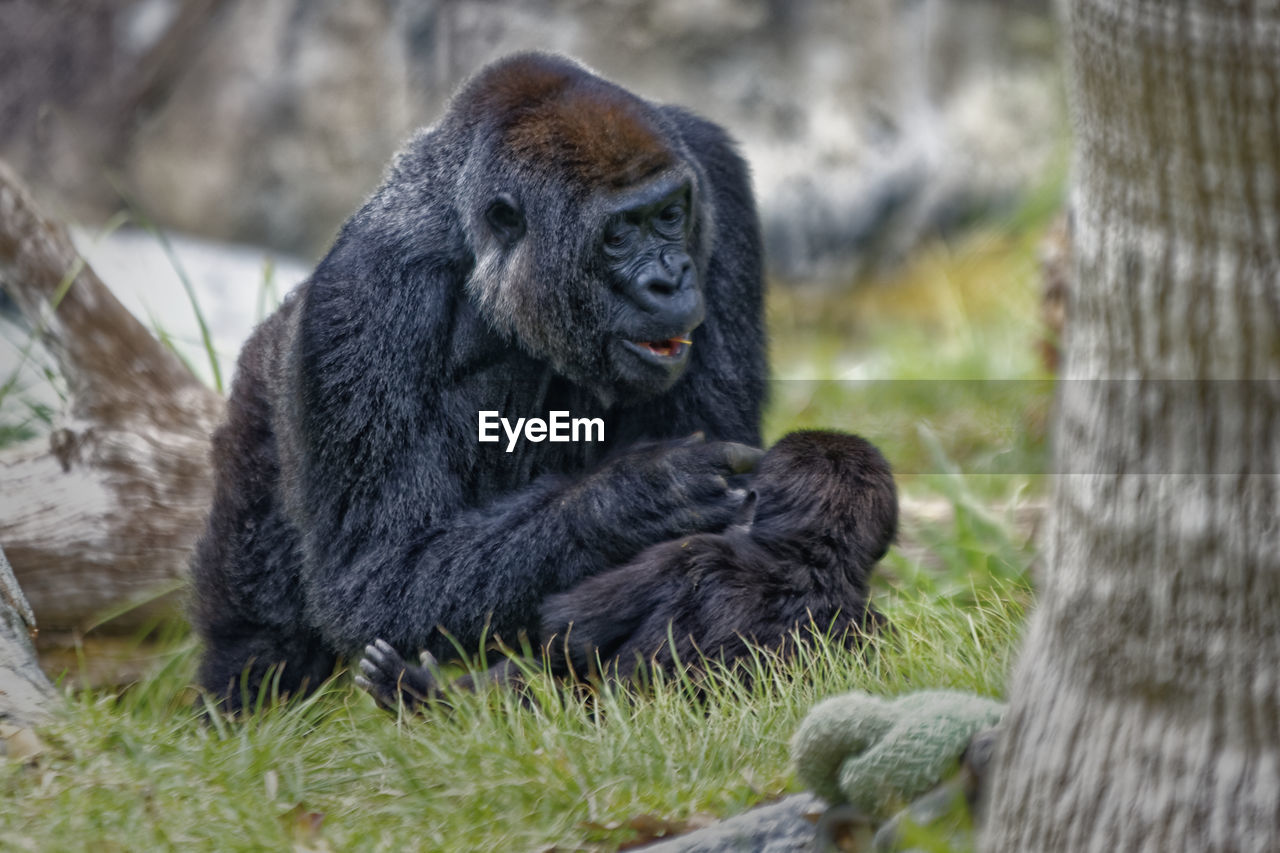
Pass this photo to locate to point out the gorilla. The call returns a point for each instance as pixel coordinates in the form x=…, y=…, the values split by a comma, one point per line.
x=822, y=511
x=553, y=244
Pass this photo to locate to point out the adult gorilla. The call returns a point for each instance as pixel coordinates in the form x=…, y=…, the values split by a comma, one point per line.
x=553, y=243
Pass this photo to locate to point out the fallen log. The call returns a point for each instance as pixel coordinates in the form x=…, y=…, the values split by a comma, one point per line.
x=100, y=516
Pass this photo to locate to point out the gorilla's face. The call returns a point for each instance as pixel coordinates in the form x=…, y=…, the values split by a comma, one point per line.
x=644, y=247
x=589, y=225
x=605, y=289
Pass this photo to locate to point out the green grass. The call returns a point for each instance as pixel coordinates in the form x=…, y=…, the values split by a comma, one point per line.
x=138, y=770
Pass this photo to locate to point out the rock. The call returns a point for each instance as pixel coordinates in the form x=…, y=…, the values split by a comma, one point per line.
x=782, y=827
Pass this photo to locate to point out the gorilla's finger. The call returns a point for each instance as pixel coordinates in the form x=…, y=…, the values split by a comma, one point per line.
x=379, y=695
x=383, y=697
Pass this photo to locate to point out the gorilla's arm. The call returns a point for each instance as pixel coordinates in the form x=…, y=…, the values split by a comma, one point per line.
x=460, y=570
x=379, y=448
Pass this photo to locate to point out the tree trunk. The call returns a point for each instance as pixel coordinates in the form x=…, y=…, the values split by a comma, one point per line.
x=1145, y=707
x=105, y=511
x=25, y=693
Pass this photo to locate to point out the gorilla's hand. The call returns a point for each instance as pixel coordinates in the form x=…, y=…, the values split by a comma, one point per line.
x=392, y=682
x=663, y=490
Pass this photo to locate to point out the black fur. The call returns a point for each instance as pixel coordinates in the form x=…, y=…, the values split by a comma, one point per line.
x=824, y=511
x=352, y=500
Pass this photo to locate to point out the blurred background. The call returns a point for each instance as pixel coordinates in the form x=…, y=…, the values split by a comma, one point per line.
x=870, y=124
x=907, y=156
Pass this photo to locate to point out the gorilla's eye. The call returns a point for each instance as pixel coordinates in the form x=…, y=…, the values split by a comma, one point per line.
x=505, y=218
x=618, y=236
x=673, y=214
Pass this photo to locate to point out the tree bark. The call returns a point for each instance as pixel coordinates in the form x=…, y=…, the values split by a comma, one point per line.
x=1145, y=706
x=105, y=511
x=25, y=693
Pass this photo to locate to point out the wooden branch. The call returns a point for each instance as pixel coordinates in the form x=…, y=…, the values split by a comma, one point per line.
x=105, y=511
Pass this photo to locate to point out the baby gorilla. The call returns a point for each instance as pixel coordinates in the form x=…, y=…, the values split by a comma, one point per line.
x=822, y=511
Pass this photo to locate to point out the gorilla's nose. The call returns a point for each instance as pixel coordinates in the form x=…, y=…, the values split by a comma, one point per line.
x=676, y=307
x=662, y=285
x=667, y=288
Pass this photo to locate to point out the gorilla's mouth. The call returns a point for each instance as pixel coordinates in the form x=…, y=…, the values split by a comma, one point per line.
x=662, y=351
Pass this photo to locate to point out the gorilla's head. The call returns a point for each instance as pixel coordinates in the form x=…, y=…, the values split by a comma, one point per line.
x=589, y=223
x=835, y=488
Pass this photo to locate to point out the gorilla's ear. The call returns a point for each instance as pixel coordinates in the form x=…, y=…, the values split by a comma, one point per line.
x=505, y=219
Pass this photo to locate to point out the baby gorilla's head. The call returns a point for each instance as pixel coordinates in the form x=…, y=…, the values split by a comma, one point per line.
x=829, y=485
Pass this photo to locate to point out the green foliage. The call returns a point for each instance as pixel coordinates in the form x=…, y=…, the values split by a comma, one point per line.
x=36, y=418
x=936, y=360
x=971, y=550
